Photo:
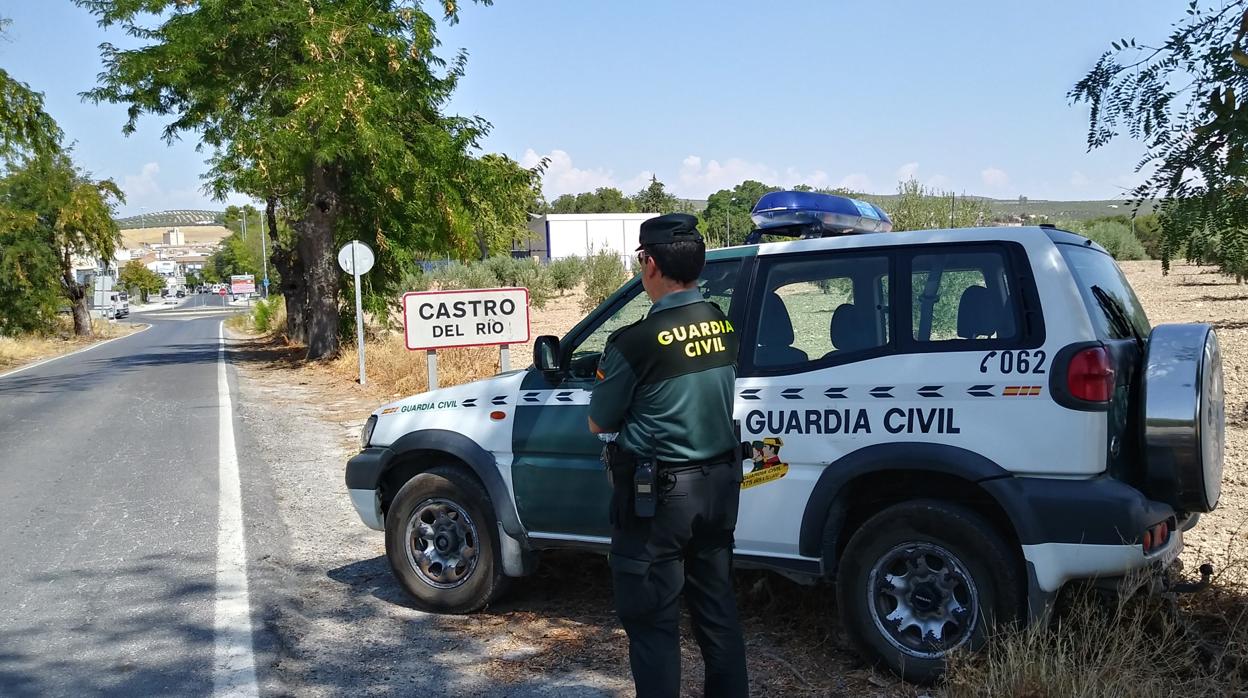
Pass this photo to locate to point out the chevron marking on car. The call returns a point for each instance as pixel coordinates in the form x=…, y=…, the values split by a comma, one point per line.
x=532, y=397
x=883, y=391
x=791, y=393
x=750, y=393
x=470, y=402
x=499, y=400
x=981, y=391
x=835, y=393
x=930, y=391
x=564, y=396
x=1021, y=391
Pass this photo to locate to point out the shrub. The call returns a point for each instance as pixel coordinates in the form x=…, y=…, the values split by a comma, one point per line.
x=566, y=273
x=506, y=270
x=604, y=273
x=456, y=276
x=537, y=280
x=1116, y=238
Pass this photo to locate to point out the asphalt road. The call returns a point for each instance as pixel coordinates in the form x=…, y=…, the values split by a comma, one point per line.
x=109, y=515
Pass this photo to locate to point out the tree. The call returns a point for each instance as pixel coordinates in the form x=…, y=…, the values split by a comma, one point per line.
x=56, y=207
x=654, y=198
x=1184, y=100
x=135, y=276
x=330, y=112
x=600, y=200
x=728, y=211
x=917, y=207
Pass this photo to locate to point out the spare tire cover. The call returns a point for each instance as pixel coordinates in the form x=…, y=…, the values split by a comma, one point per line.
x=1184, y=417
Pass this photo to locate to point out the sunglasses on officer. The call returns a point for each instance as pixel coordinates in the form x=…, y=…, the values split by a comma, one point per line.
x=642, y=256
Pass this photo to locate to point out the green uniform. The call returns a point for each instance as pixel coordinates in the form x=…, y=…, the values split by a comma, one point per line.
x=666, y=382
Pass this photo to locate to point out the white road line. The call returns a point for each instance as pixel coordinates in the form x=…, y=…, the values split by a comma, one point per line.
x=234, y=666
x=27, y=367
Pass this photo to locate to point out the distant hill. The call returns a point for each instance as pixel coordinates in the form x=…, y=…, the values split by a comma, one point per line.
x=173, y=219
x=133, y=238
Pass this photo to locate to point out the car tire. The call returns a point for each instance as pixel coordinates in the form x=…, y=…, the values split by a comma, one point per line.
x=442, y=542
x=954, y=575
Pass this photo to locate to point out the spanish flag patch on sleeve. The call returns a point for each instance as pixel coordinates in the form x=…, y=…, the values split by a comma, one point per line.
x=599, y=374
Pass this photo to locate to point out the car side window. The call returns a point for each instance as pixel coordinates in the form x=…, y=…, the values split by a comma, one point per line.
x=717, y=284
x=818, y=308
x=962, y=295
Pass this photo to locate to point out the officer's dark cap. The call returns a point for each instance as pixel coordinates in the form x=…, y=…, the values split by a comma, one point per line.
x=673, y=227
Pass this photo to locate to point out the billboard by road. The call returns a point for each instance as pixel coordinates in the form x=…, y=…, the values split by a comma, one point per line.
x=242, y=283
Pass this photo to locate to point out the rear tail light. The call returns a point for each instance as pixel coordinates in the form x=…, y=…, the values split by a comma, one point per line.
x=1156, y=537
x=1090, y=375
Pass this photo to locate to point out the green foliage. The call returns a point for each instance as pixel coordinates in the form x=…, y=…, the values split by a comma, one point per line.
x=600, y=200
x=236, y=256
x=566, y=273
x=536, y=278
x=264, y=313
x=29, y=268
x=654, y=198
x=193, y=279
x=135, y=276
x=726, y=218
x=332, y=111
x=604, y=273
x=916, y=207
x=1147, y=229
x=1115, y=237
x=54, y=213
x=1183, y=98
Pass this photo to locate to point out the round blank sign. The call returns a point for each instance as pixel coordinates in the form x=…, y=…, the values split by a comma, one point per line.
x=356, y=258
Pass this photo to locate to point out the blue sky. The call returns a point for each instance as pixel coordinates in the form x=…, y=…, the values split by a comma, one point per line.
x=969, y=96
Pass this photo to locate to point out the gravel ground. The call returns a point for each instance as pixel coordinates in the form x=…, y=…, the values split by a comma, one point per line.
x=344, y=625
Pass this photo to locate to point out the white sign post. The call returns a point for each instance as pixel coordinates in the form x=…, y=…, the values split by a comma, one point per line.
x=356, y=258
x=444, y=319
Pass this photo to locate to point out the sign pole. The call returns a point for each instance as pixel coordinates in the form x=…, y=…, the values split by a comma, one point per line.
x=359, y=315
x=504, y=358
x=431, y=357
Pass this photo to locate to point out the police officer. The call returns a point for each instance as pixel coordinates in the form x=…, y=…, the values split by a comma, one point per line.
x=666, y=386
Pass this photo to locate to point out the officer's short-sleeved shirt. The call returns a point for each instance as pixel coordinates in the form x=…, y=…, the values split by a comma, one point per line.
x=666, y=382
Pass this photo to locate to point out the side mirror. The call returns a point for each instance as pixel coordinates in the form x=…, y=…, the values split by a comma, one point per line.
x=546, y=354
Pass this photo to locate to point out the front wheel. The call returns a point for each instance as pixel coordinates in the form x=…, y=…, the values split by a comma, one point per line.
x=922, y=579
x=442, y=542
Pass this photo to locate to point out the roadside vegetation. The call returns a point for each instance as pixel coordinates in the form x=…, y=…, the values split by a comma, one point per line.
x=57, y=339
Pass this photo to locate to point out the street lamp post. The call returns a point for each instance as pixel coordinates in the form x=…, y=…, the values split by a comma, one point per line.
x=264, y=257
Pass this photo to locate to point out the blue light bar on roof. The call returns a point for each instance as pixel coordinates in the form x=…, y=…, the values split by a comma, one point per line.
x=825, y=212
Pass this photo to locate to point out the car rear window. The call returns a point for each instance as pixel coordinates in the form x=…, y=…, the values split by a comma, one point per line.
x=1095, y=269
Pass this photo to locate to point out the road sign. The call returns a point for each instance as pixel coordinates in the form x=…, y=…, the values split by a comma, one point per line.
x=444, y=319
x=266, y=282
x=222, y=291
x=355, y=257
x=242, y=283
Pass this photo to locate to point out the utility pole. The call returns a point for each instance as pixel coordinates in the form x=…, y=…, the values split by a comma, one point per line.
x=244, y=224
x=264, y=256
x=953, y=200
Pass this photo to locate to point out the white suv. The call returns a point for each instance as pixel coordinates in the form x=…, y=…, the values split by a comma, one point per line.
x=950, y=424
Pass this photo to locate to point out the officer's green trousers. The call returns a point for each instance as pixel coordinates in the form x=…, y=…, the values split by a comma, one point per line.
x=686, y=548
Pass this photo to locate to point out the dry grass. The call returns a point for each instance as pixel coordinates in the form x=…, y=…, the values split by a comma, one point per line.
x=18, y=351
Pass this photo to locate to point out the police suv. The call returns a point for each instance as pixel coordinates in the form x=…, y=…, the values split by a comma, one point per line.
x=951, y=424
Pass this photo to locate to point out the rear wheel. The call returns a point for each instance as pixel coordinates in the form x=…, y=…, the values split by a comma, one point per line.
x=922, y=579
x=442, y=542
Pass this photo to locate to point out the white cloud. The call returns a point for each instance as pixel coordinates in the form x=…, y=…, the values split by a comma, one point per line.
x=146, y=193
x=995, y=179
x=940, y=182
x=907, y=171
x=1079, y=180
x=143, y=184
x=695, y=177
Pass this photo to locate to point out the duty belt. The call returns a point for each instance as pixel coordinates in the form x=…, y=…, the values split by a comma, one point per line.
x=677, y=466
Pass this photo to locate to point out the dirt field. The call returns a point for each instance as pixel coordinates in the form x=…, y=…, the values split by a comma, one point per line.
x=559, y=623
x=132, y=238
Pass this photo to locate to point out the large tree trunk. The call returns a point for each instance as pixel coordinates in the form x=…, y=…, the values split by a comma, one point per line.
x=290, y=269
x=316, y=252
x=77, y=295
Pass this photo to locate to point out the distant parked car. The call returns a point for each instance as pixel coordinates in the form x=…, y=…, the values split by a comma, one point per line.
x=181, y=293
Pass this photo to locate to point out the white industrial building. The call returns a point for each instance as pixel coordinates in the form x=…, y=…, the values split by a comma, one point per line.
x=559, y=235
